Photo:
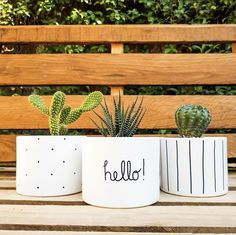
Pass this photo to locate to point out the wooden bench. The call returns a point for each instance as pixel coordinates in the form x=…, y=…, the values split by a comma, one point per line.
x=25, y=215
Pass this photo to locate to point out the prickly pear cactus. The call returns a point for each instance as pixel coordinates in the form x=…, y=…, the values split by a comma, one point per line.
x=192, y=120
x=61, y=115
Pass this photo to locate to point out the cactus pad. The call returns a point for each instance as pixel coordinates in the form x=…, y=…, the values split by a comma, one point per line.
x=92, y=101
x=38, y=103
x=73, y=116
x=60, y=115
x=57, y=103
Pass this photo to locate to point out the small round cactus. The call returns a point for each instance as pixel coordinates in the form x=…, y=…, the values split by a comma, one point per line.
x=192, y=120
x=61, y=115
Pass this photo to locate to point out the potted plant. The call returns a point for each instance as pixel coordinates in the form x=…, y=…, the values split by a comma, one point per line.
x=51, y=165
x=120, y=171
x=194, y=165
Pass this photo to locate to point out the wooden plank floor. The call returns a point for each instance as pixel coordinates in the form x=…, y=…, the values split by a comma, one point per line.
x=21, y=215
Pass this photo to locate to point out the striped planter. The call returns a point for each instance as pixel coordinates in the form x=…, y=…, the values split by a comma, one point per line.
x=194, y=166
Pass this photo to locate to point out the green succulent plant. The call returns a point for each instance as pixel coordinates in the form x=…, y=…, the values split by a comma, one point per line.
x=124, y=122
x=192, y=120
x=61, y=115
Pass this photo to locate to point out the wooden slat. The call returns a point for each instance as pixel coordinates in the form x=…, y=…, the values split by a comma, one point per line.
x=117, y=48
x=148, y=219
x=117, y=33
x=10, y=197
x=234, y=47
x=4, y=232
x=118, y=69
x=8, y=152
x=116, y=90
x=68, y=214
x=18, y=114
x=7, y=148
x=18, y=232
x=232, y=180
x=9, y=184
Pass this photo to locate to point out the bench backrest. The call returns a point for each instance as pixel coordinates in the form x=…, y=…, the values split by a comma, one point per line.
x=117, y=70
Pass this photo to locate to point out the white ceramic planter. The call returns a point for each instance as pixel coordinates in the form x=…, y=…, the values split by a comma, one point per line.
x=194, y=166
x=48, y=165
x=121, y=172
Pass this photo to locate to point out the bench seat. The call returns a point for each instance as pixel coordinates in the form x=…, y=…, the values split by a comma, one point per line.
x=173, y=214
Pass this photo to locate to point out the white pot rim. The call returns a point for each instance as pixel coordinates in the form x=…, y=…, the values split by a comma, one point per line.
x=49, y=136
x=196, y=138
x=124, y=138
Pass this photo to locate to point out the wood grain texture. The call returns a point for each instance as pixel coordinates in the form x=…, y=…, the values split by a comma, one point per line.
x=10, y=197
x=116, y=90
x=7, y=184
x=117, y=69
x=4, y=232
x=234, y=47
x=67, y=214
x=117, y=33
x=12, y=184
x=9, y=154
x=7, y=148
x=149, y=219
x=18, y=114
x=119, y=229
x=117, y=48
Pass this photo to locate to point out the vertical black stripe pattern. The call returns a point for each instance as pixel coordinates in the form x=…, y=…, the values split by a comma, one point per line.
x=203, y=166
x=177, y=165
x=167, y=167
x=190, y=167
x=215, y=164
x=223, y=165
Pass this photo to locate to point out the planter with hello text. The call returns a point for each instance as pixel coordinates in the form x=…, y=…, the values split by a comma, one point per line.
x=194, y=166
x=48, y=165
x=120, y=172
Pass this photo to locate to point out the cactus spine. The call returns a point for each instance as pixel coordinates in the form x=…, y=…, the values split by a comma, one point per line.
x=61, y=115
x=192, y=120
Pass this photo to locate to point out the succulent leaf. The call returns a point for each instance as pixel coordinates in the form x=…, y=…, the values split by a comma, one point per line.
x=124, y=122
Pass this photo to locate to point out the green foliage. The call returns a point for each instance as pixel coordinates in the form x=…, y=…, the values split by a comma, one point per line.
x=6, y=10
x=124, y=122
x=118, y=12
x=59, y=114
x=56, y=12
x=192, y=120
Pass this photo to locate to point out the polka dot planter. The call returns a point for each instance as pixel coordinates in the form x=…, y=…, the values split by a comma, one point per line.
x=195, y=167
x=48, y=165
